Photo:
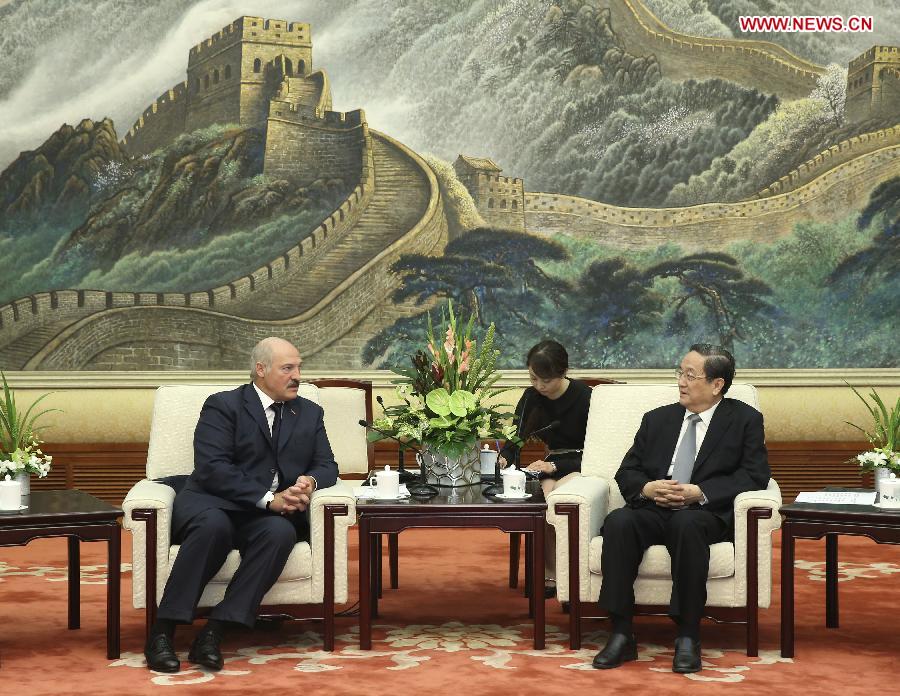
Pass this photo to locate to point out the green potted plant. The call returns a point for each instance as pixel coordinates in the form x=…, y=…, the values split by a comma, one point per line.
x=445, y=402
x=884, y=436
x=20, y=446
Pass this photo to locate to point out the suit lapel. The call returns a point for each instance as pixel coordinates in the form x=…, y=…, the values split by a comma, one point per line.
x=671, y=428
x=253, y=406
x=718, y=426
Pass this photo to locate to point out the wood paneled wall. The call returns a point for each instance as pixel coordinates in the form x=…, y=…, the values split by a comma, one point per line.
x=108, y=470
x=105, y=470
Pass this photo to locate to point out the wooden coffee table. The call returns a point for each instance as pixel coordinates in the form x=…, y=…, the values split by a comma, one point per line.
x=79, y=517
x=464, y=507
x=813, y=521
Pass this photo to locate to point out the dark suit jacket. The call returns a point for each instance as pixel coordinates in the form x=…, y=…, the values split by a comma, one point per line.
x=731, y=460
x=234, y=457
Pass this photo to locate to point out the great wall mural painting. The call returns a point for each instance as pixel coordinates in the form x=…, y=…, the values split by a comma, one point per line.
x=624, y=175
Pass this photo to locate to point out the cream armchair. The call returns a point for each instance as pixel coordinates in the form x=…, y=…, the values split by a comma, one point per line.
x=740, y=573
x=315, y=575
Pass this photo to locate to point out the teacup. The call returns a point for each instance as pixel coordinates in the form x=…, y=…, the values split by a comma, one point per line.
x=889, y=492
x=10, y=494
x=488, y=461
x=513, y=482
x=386, y=482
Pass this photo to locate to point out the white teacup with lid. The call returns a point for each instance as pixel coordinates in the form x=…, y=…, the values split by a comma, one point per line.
x=513, y=482
x=889, y=491
x=10, y=494
x=386, y=483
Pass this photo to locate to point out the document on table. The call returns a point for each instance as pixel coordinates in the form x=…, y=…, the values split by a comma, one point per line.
x=837, y=497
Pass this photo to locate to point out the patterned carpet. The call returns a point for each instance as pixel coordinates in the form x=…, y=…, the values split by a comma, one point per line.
x=453, y=627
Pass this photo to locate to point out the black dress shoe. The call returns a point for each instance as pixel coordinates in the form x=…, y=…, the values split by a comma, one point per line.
x=619, y=648
x=687, y=656
x=549, y=591
x=160, y=654
x=205, y=650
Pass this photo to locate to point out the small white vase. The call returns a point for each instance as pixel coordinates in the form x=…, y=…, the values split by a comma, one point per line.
x=881, y=473
x=24, y=478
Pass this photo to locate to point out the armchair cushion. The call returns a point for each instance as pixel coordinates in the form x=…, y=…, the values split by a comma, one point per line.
x=297, y=567
x=344, y=407
x=658, y=564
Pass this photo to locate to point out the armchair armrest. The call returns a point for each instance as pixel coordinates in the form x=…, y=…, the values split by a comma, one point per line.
x=147, y=494
x=769, y=498
x=589, y=497
x=755, y=510
x=335, y=506
x=148, y=503
x=338, y=494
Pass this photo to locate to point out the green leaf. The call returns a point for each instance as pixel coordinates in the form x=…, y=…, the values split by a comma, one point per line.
x=16, y=428
x=461, y=402
x=438, y=400
x=442, y=422
x=885, y=424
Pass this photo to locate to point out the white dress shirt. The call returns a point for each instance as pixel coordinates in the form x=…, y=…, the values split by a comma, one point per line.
x=266, y=402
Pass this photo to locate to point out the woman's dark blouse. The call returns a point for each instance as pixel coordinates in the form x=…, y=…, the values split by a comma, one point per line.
x=571, y=410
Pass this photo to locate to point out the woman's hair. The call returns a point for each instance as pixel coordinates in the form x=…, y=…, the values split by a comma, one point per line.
x=548, y=359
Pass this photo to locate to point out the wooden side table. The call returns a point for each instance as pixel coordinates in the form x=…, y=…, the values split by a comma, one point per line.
x=813, y=521
x=79, y=517
x=463, y=507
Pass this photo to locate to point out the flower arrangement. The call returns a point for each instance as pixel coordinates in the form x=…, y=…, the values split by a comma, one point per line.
x=884, y=436
x=20, y=447
x=445, y=394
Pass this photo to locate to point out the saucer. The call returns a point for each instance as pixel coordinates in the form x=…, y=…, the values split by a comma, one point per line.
x=503, y=496
x=366, y=493
x=399, y=496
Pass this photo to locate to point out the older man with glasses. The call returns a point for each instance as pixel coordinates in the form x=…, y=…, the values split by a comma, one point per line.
x=688, y=463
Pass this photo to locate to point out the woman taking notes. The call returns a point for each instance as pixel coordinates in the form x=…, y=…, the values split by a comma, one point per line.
x=559, y=402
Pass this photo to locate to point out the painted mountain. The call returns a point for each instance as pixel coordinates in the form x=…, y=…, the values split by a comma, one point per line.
x=180, y=179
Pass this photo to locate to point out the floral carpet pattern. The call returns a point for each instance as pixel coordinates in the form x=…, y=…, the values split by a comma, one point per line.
x=453, y=627
x=90, y=574
x=847, y=571
x=407, y=647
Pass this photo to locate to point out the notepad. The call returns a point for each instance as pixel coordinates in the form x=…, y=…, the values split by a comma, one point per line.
x=837, y=497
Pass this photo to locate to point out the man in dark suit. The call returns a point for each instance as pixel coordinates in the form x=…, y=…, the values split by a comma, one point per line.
x=259, y=453
x=679, y=480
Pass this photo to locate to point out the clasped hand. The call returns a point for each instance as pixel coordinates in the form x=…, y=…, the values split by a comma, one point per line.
x=293, y=498
x=672, y=494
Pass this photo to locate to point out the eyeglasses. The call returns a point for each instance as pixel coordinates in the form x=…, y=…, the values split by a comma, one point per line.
x=679, y=373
